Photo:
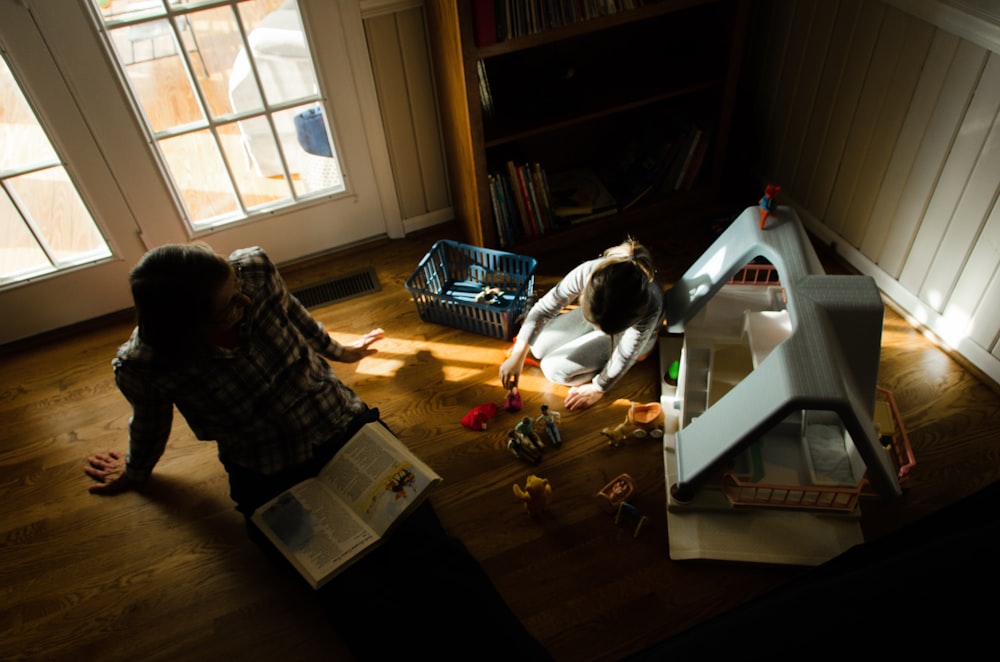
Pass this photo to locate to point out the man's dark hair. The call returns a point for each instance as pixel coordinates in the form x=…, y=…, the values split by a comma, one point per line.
x=174, y=289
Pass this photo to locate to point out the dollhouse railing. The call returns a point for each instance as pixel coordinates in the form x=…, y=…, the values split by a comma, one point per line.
x=815, y=497
x=756, y=274
x=798, y=497
x=900, y=445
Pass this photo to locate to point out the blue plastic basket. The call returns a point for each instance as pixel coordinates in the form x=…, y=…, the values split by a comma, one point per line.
x=452, y=275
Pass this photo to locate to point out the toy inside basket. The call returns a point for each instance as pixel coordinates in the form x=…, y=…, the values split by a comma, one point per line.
x=476, y=289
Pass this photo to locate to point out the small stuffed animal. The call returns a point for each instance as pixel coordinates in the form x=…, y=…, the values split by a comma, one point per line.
x=535, y=494
x=477, y=416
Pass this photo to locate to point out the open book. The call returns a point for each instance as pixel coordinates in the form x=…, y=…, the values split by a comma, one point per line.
x=324, y=524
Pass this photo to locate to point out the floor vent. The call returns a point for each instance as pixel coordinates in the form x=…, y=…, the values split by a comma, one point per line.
x=348, y=286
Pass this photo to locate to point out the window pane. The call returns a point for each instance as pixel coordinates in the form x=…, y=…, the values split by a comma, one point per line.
x=22, y=141
x=44, y=225
x=255, y=191
x=281, y=54
x=158, y=76
x=305, y=139
x=217, y=30
x=21, y=255
x=200, y=175
x=51, y=203
x=198, y=75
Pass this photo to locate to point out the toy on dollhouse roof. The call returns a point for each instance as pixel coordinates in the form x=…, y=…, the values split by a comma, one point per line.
x=781, y=425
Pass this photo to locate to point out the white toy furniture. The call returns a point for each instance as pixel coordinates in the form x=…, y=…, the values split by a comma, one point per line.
x=775, y=401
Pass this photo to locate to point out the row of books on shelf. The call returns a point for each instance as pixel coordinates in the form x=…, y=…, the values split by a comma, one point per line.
x=527, y=202
x=500, y=20
x=659, y=160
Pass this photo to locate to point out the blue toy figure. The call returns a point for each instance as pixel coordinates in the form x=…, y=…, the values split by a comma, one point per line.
x=551, y=420
x=628, y=512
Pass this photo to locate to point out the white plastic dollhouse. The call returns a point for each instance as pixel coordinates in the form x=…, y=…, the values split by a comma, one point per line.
x=776, y=401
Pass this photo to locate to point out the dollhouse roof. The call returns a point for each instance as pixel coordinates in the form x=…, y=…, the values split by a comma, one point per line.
x=829, y=360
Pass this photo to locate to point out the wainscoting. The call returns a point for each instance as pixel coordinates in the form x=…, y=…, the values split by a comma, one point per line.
x=880, y=124
x=398, y=48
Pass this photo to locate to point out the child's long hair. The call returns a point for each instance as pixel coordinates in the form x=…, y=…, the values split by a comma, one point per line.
x=617, y=294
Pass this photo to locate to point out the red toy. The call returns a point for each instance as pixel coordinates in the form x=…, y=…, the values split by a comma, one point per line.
x=477, y=417
x=513, y=401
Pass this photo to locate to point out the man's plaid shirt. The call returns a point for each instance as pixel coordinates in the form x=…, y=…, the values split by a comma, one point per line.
x=266, y=403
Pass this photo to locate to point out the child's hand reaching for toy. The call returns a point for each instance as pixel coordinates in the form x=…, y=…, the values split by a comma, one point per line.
x=583, y=396
x=510, y=369
x=510, y=373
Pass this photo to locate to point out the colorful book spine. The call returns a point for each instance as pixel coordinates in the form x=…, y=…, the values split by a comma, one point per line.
x=520, y=197
x=541, y=186
x=529, y=199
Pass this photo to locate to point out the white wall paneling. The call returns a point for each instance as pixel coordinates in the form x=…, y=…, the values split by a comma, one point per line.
x=880, y=122
x=398, y=47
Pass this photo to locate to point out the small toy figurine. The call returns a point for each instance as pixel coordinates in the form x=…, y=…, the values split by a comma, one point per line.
x=629, y=512
x=522, y=451
x=477, y=416
x=768, y=202
x=513, y=400
x=616, y=435
x=490, y=295
x=615, y=492
x=647, y=419
x=535, y=494
x=551, y=421
x=641, y=420
x=672, y=373
x=526, y=428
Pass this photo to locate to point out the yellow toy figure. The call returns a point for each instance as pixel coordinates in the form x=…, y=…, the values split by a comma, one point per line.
x=534, y=495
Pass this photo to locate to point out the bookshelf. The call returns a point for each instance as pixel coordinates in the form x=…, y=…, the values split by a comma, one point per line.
x=619, y=95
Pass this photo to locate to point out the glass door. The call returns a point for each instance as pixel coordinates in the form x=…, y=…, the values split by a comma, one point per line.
x=231, y=99
x=208, y=119
x=58, y=264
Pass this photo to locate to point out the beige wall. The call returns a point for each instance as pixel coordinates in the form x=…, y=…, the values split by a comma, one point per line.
x=401, y=65
x=881, y=127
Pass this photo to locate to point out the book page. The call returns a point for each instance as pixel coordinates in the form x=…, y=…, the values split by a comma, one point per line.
x=378, y=476
x=317, y=533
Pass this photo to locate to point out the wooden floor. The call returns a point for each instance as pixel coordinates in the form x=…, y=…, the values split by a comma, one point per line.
x=168, y=574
